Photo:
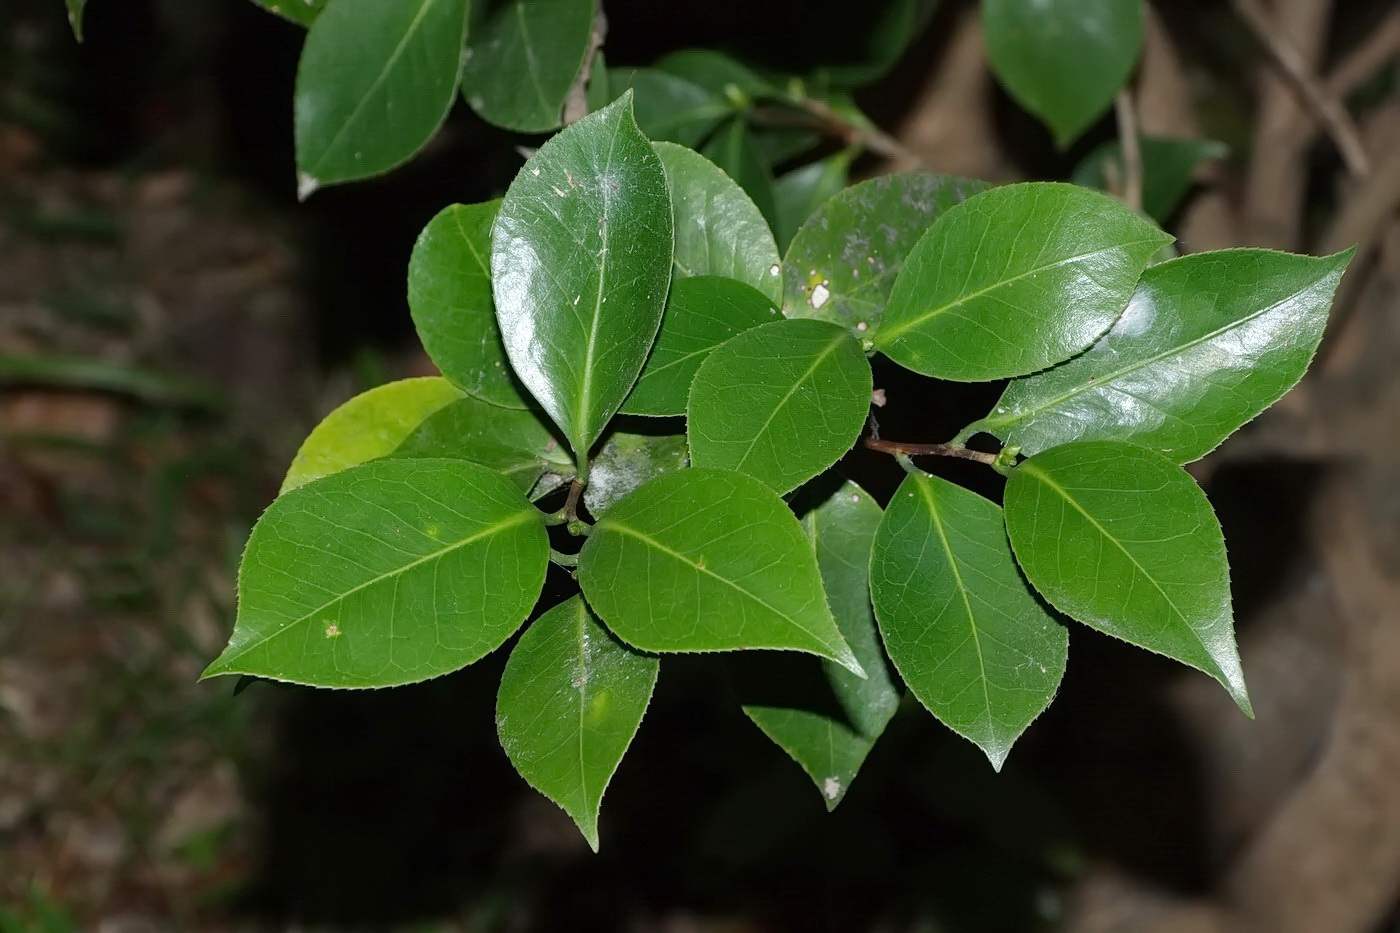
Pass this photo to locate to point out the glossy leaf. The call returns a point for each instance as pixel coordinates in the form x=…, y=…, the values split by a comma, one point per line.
x=832, y=745
x=1168, y=168
x=1063, y=60
x=516, y=444
x=628, y=461
x=670, y=108
x=663, y=571
x=780, y=402
x=302, y=12
x=1013, y=280
x=581, y=259
x=367, y=427
x=843, y=260
x=570, y=702
x=798, y=193
x=702, y=312
x=1208, y=342
x=733, y=149
x=964, y=629
x=1122, y=539
x=386, y=573
x=523, y=58
x=449, y=295
x=719, y=231
x=374, y=84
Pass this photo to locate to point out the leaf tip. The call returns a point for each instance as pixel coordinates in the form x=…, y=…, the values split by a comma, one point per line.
x=996, y=754
x=307, y=185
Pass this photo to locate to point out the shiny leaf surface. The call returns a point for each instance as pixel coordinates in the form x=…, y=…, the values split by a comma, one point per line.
x=523, y=58
x=570, y=702
x=627, y=461
x=963, y=627
x=734, y=149
x=517, y=444
x=1013, y=280
x=1122, y=539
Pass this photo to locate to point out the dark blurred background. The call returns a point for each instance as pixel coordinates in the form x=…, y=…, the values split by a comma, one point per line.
x=172, y=322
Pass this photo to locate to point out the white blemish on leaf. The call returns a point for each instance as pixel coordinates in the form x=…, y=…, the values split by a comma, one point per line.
x=332, y=630
x=306, y=186
x=862, y=327
x=832, y=788
x=820, y=294
x=774, y=269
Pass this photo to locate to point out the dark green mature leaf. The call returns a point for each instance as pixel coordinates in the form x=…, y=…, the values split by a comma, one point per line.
x=1208, y=342
x=1013, y=280
x=302, y=12
x=598, y=93
x=961, y=624
x=75, y=17
x=449, y=295
x=628, y=461
x=1122, y=539
x=523, y=58
x=896, y=24
x=831, y=746
x=843, y=261
x=719, y=230
x=702, y=312
x=516, y=444
x=734, y=150
x=669, y=108
x=780, y=402
x=571, y=699
x=798, y=193
x=374, y=84
x=709, y=560
x=367, y=427
x=724, y=77
x=386, y=573
x=1168, y=167
x=1063, y=60
x=581, y=259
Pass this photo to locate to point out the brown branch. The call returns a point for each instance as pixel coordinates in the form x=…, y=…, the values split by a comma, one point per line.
x=871, y=137
x=1131, y=143
x=576, y=103
x=899, y=448
x=1374, y=52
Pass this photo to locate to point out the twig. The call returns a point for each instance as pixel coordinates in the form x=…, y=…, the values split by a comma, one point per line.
x=1132, y=148
x=576, y=104
x=1377, y=49
x=1317, y=98
x=871, y=137
x=571, y=504
x=898, y=448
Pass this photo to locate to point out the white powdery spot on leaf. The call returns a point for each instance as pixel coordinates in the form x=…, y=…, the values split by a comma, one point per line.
x=832, y=788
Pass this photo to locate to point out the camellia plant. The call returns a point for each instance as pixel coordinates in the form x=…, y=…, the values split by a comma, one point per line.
x=647, y=267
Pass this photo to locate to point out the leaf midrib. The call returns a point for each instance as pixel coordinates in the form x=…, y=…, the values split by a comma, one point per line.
x=832, y=345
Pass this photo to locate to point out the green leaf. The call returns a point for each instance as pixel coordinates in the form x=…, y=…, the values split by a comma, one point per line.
x=709, y=560
x=799, y=193
x=628, y=461
x=374, y=84
x=667, y=107
x=581, y=259
x=367, y=427
x=1168, y=168
x=1208, y=342
x=843, y=261
x=302, y=12
x=598, y=92
x=517, y=444
x=733, y=149
x=780, y=402
x=387, y=573
x=449, y=295
x=75, y=17
x=1122, y=539
x=1063, y=60
x=832, y=745
x=701, y=313
x=722, y=76
x=719, y=231
x=523, y=59
x=1013, y=280
x=896, y=24
x=570, y=702
x=963, y=627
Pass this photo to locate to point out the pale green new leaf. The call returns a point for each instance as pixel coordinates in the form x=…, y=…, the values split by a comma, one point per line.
x=961, y=624
x=374, y=84
x=709, y=560
x=780, y=402
x=523, y=58
x=387, y=573
x=1122, y=539
x=719, y=231
x=843, y=261
x=626, y=461
x=831, y=745
x=581, y=259
x=368, y=426
x=702, y=312
x=1208, y=341
x=570, y=702
x=1063, y=60
x=1013, y=280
